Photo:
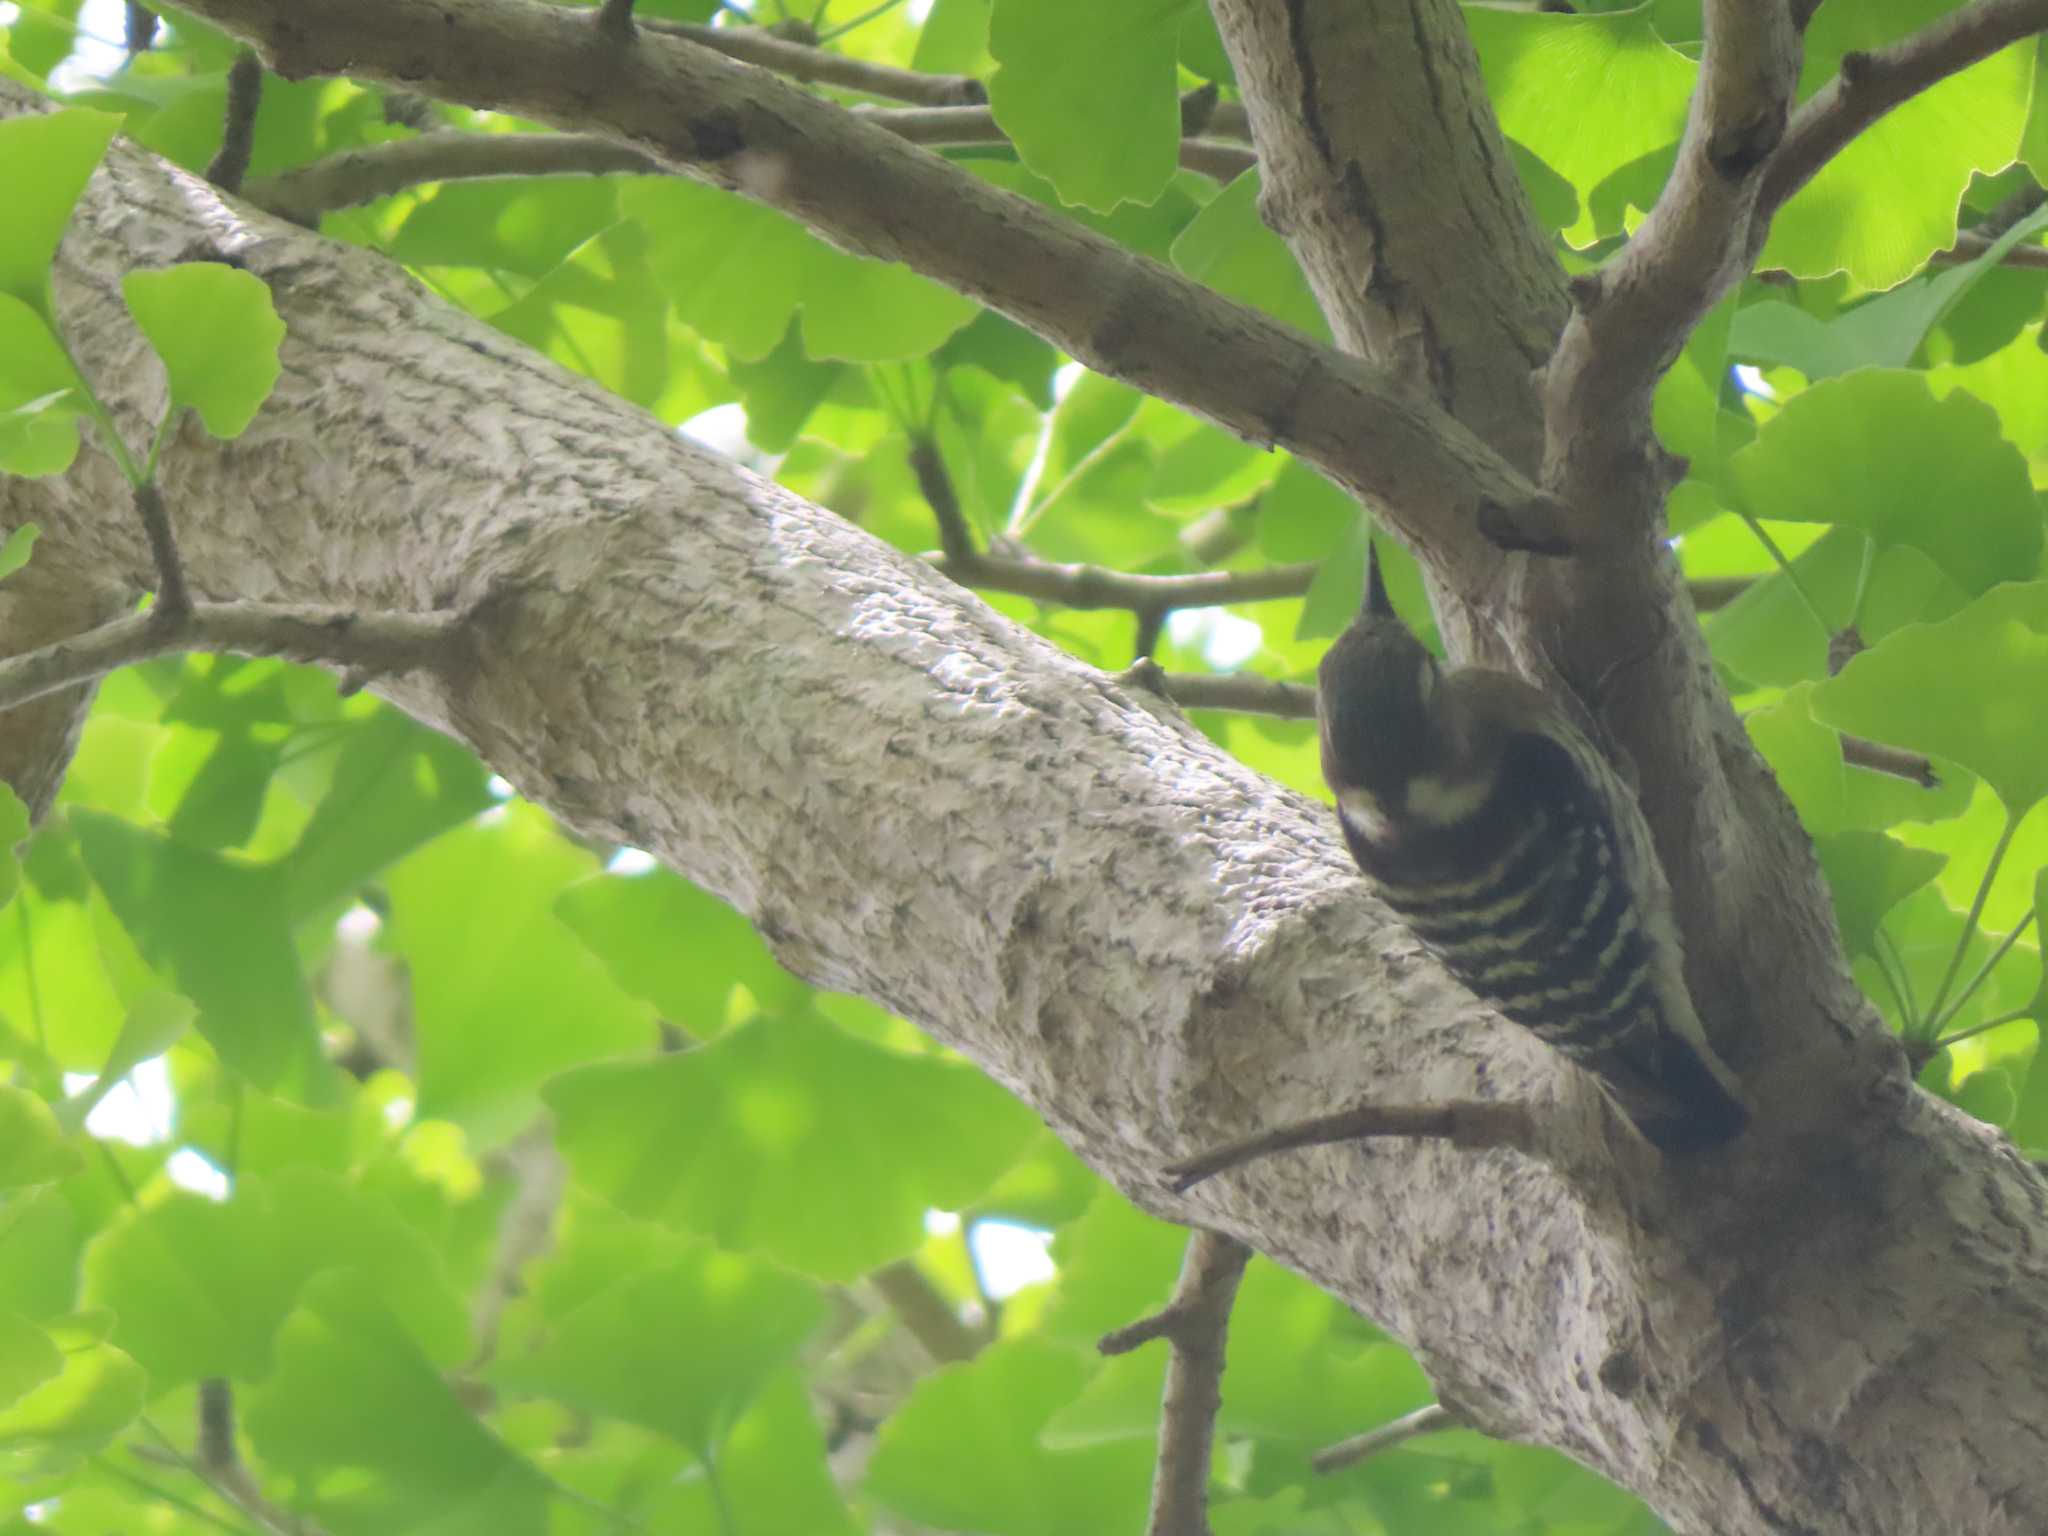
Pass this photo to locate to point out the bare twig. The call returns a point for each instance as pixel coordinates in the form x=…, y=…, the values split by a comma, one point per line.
x=1472, y=1123
x=956, y=539
x=1151, y=598
x=379, y=170
x=1151, y=624
x=358, y=176
x=1095, y=586
x=1972, y=244
x=977, y=125
x=173, y=600
x=372, y=643
x=1897, y=761
x=929, y=1317
x=1347, y=1453
x=2023, y=204
x=238, y=137
x=1194, y=1323
x=219, y=1464
x=803, y=61
x=1244, y=693
x=526, y=1230
x=1871, y=84
x=139, y=28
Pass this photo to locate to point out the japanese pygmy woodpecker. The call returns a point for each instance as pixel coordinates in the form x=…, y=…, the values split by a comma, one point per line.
x=1499, y=834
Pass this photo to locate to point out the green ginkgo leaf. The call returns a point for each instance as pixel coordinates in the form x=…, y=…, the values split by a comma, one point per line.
x=1968, y=688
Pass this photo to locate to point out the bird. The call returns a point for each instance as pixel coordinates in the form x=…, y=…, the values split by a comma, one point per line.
x=1505, y=841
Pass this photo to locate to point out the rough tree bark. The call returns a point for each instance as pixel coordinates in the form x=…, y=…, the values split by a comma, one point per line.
x=1837, y=1325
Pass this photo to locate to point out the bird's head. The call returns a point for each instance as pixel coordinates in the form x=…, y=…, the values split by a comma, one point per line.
x=1374, y=694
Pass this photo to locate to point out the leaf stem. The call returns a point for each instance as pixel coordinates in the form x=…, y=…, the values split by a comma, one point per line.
x=1770, y=545
x=1862, y=582
x=1888, y=968
x=1983, y=971
x=1910, y=1002
x=1977, y=1029
x=1955, y=961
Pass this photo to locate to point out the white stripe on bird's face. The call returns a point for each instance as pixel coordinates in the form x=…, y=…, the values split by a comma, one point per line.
x=1360, y=809
x=1443, y=802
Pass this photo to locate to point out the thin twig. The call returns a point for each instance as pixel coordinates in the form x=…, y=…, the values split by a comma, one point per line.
x=1896, y=761
x=526, y=1230
x=1471, y=1123
x=238, y=136
x=1871, y=84
x=956, y=539
x=217, y=1464
x=1970, y=246
x=928, y=1316
x=139, y=29
x=1244, y=693
x=359, y=176
x=369, y=643
x=802, y=61
x=1194, y=1323
x=1348, y=1453
x=173, y=599
x=1151, y=624
x=1095, y=586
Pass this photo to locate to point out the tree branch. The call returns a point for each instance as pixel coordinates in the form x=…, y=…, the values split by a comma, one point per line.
x=821, y=66
x=1194, y=1324
x=1475, y=1124
x=1871, y=84
x=369, y=644
x=1095, y=586
x=238, y=136
x=173, y=601
x=1122, y=314
x=928, y=1316
x=1631, y=316
x=359, y=176
x=1242, y=692
x=1348, y=1453
x=949, y=809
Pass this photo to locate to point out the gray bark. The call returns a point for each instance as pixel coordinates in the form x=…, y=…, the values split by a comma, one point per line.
x=1838, y=1325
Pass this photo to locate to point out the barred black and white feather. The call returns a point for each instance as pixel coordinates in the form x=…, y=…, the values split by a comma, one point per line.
x=1502, y=837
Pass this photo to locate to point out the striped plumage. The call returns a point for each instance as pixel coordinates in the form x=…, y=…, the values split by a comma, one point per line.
x=1503, y=839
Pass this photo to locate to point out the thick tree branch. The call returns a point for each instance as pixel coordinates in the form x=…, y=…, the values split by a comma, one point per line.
x=1630, y=318
x=1872, y=84
x=1401, y=204
x=1122, y=314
